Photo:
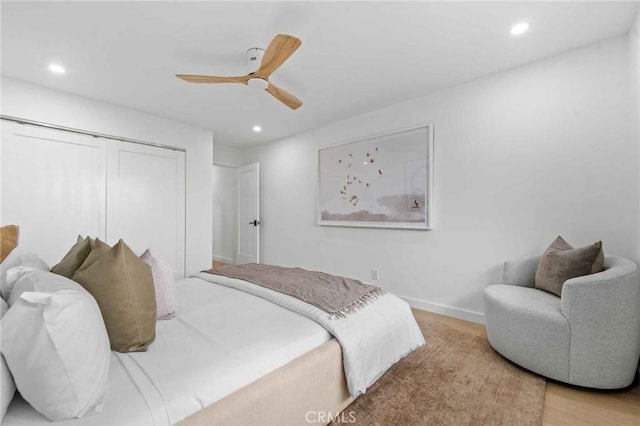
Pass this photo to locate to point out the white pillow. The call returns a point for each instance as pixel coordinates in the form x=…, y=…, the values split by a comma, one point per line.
x=56, y=346
x=17, y=258
x=30, y=279
x=4, y=307
x=7, y=385
x=164, y=284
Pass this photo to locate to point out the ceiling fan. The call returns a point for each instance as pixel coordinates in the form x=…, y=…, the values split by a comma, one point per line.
x=280, y=49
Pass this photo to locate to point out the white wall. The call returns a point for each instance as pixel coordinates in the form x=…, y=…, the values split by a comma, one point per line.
x=227, y=155
x=33, y=102
x=520, y=157
x=225, y=213
x=634, y=68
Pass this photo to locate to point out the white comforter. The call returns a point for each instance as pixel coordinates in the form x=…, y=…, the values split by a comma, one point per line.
x=221, y=340
x=372, y=339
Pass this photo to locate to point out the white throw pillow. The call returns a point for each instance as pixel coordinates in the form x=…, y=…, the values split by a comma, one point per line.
x=7, y=385
x=56, y=346
x=18, y=258
x=29, y=279
x=4, y=307
x=164, y=283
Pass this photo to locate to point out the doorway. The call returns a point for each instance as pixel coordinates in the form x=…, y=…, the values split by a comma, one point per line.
x=225, y=214
x=236, y=214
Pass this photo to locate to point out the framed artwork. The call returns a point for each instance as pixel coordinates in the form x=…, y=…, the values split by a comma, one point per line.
x=383, y=181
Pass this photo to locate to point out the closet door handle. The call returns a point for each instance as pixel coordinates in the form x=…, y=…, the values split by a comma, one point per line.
x=254, y=222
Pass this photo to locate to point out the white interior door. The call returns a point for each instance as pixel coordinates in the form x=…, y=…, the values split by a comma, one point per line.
x=248, y=214
x=146, y=200
x=53, y=187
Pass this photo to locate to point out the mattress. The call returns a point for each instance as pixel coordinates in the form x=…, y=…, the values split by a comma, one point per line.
x=221, y=340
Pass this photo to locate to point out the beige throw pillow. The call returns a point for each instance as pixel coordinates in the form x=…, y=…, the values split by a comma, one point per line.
x=561, y=262
x=74, y=258
x=123, y=287
x=8, y=240
x=98, y=248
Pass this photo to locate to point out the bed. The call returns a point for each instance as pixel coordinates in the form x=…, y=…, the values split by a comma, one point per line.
x=231, y=356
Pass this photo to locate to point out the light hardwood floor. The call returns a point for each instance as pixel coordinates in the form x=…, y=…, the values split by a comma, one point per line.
x=566, y=405
x=218, y=264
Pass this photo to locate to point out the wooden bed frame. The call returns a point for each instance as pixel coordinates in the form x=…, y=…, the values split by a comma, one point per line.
x=311, y=389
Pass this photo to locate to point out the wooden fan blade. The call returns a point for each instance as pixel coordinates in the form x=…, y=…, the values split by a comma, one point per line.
x=280, y=49
x=213, y=79
x=283, y=96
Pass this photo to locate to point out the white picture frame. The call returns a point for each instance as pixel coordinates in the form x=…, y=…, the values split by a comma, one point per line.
x=383, y=181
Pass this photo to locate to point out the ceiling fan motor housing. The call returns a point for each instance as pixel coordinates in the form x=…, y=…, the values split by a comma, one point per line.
x=254, y=59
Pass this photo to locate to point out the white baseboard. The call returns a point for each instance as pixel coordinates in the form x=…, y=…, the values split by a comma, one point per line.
x=445, y=310
x=223, y=259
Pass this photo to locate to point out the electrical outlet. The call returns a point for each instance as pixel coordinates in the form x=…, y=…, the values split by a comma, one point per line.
x=374, y=274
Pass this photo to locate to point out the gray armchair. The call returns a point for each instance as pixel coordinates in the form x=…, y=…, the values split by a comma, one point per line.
x=589, y=337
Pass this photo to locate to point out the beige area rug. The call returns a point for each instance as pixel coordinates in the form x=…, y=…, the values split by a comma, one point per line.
x=456, y=379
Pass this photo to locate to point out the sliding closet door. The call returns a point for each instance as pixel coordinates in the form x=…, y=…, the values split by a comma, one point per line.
x=53, y=187
x=146, y=200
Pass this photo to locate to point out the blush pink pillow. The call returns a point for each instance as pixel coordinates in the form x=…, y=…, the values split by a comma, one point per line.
x=164, y=283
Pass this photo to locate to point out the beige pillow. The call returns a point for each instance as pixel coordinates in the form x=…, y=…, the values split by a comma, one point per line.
x=74, y=258
x=561, y=262
x=98, y=248
x=8, y=240
x=123, y=287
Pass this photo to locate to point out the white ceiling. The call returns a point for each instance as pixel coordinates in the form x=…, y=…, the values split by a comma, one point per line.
x=355, y=56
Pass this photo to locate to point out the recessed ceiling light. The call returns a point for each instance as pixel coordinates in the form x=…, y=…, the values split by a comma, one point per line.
x=57, y=69
x=257, y=129
x=519, y=29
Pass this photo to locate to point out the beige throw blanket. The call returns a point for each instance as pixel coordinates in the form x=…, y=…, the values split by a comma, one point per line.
x=338, y=296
